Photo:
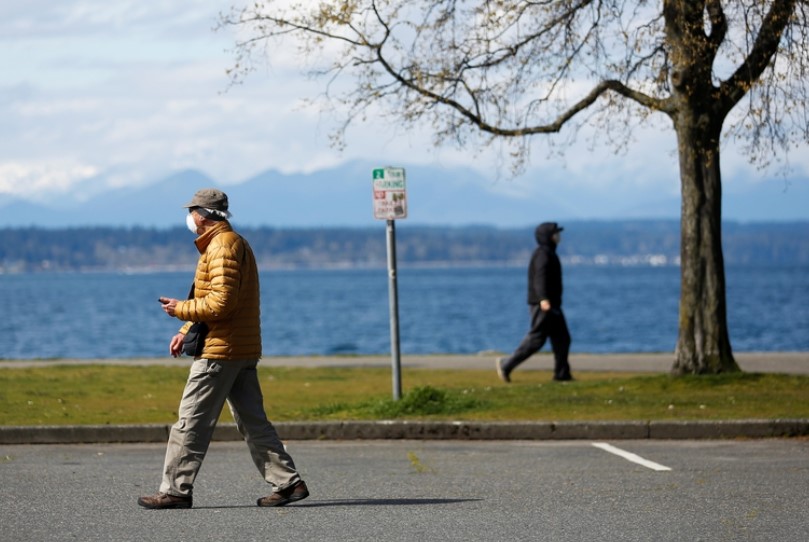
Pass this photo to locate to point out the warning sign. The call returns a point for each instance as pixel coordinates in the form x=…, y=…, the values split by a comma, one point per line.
x=390, y=194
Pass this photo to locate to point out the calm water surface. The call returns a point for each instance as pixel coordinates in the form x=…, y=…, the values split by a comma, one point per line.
x=609, y=309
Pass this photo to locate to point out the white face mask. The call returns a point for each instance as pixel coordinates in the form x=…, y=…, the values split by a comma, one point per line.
x=189, y=221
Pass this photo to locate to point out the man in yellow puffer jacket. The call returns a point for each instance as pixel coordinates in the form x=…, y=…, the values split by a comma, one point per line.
x=226, y=298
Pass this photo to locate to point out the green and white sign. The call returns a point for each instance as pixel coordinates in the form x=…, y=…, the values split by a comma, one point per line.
x=390, y=193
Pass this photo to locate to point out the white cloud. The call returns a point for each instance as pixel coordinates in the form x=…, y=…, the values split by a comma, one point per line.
x=124, y=92
x=42, y=181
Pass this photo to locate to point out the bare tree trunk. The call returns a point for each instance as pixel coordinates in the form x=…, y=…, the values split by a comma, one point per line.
x=703, y=346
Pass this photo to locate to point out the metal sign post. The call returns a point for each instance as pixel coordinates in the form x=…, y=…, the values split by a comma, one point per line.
x=390, y=203
x=393, y=302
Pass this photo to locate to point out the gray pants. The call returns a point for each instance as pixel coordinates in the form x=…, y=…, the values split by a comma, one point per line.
x=210, y=384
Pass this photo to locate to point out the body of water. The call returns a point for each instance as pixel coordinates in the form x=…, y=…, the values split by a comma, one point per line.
x=469, y=310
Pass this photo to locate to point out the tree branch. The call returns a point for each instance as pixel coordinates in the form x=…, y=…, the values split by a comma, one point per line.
x=764, y=49
x=719, y=23
x=475, y=118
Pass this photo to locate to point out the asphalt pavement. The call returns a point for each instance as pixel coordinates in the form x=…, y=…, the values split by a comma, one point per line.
x=765, y=362
x=405, y=490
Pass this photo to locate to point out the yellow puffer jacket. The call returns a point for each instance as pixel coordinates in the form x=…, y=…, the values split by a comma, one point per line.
x=226, y=296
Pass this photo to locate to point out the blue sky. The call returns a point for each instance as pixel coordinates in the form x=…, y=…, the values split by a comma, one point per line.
x=97, y=95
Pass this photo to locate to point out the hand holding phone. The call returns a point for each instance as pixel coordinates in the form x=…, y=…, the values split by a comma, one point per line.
x=169, y=305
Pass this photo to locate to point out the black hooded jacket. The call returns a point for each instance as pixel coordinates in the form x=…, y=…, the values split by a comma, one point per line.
x=545, y=270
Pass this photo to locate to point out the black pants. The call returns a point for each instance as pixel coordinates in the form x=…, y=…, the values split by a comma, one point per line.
x=544, y=325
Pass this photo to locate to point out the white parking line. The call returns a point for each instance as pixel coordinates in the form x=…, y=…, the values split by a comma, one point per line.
x=630, y=456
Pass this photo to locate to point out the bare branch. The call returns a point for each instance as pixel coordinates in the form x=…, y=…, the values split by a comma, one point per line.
x=517, y=68
x=764, y=49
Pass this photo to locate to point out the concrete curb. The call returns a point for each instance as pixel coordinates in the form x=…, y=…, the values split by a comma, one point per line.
x=419, y=430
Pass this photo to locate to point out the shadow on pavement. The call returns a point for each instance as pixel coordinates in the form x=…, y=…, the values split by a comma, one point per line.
x=352, y=502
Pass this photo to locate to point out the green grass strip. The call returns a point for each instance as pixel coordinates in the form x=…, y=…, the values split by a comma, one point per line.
x=102, y=394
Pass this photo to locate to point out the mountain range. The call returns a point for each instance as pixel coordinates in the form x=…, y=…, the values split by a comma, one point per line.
x=342, y=197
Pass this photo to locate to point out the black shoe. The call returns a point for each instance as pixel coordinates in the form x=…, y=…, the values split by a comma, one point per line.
x=164, y=501
x=504, y=376
x=298, y=492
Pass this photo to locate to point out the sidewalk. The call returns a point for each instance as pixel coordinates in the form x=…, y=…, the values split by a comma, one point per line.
x=768, y=362
x=753, y=362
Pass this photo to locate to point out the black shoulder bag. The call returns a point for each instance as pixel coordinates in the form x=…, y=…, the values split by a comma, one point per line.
x=194, y=340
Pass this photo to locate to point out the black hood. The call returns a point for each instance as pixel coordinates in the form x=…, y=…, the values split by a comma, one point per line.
x=545, y=231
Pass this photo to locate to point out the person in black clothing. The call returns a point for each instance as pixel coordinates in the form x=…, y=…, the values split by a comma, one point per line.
x=545, y=302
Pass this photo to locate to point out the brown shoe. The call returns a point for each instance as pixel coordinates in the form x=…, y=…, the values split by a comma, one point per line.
x=298, y=492
x=161, y=501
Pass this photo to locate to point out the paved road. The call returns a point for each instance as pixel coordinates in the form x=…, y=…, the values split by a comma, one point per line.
x=421, y=490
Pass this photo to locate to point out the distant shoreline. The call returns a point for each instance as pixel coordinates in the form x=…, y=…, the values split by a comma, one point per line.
x=639, y=261
x=625, y=243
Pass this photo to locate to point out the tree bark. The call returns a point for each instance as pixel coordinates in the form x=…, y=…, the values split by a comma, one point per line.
x=703, y=345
